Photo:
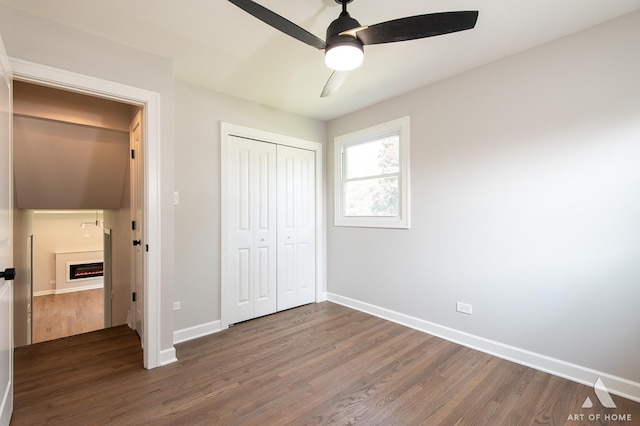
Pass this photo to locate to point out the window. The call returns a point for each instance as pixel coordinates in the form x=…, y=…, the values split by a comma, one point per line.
x=372, y=176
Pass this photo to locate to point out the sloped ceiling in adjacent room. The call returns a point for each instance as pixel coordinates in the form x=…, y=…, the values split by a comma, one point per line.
x=68, y=166
x=70, y=151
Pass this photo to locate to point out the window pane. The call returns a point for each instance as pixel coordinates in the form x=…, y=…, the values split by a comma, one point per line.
x=372, y=197
x=373, y=158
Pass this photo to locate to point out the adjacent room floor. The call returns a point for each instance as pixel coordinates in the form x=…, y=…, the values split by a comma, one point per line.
x=67, y=314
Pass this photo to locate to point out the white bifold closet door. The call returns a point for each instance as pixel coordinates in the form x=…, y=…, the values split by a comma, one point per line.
x=252, y=229
x=296, y=227
x=271, y=225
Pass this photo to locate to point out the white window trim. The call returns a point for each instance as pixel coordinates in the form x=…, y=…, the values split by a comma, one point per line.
x=401, y=221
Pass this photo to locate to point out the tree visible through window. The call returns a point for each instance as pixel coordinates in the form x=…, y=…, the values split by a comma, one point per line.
x=373, y=176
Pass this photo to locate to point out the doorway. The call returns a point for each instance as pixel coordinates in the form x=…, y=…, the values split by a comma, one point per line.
x=72, y=175
x=153, y=354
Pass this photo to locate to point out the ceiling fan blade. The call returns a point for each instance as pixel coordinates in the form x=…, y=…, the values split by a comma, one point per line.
x=420, y=26
x=335, y=81
x=279, y=23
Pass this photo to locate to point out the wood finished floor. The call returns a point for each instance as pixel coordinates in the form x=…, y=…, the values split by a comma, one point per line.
x=67, y=314
x=318, y=364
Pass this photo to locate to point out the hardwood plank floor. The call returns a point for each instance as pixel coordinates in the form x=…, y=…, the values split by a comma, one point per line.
x=317, y=364
x=67, y=314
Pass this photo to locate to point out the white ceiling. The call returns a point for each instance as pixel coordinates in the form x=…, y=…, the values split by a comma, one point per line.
x=216, y=45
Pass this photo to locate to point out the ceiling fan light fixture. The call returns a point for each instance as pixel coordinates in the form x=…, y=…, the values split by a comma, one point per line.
x=345, y=55
x=346, y=38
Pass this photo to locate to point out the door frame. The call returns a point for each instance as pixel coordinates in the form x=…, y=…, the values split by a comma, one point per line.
x=227, y=130
x=150, y=102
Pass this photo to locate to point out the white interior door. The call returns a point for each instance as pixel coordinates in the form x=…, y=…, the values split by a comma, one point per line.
x=251, y=212
x=137, y=203
x=6, y=243
x=296, y=227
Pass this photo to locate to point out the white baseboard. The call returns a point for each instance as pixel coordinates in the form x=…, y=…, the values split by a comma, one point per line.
x=66, y=290
x=194, y=332
x=168, y=356
x=577, y=373
x=79, y=288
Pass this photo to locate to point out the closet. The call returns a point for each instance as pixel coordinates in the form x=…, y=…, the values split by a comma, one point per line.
x=269, y=227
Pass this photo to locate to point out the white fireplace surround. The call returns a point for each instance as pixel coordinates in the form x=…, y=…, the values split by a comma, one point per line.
x=64, y=283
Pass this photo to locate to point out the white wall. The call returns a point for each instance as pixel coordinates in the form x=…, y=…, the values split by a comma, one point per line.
x=525, y=184
x=198, y=116
x=32, y=39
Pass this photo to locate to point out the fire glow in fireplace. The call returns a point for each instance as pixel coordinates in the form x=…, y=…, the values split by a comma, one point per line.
x=81, y=271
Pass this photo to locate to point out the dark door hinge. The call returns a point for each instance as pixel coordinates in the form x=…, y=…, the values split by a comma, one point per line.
x=133, y=296
x=133, y=225
x=133, y=154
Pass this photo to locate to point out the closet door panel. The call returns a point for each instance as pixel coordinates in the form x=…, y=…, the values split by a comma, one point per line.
x=306, y=229
x=252, y=229
x=296, y=227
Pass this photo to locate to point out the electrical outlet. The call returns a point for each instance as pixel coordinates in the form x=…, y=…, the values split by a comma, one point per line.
x=176, y=306
x=464, y=308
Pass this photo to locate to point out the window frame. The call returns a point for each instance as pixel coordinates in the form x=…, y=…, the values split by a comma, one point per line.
x=400, y=127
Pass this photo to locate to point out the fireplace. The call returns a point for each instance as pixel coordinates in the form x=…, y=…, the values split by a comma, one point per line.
x=81, y=271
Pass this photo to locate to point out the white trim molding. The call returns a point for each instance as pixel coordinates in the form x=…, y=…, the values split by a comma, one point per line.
x=74, y=289
x=167, y=356
x=576, y=373
x=150, y=101
x=399, y=128
x=201, y=330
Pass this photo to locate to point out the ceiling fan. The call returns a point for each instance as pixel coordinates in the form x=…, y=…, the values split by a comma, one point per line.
x=346, y=37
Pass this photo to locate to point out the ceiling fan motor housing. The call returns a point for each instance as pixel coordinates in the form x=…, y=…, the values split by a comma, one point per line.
x=344, y=23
